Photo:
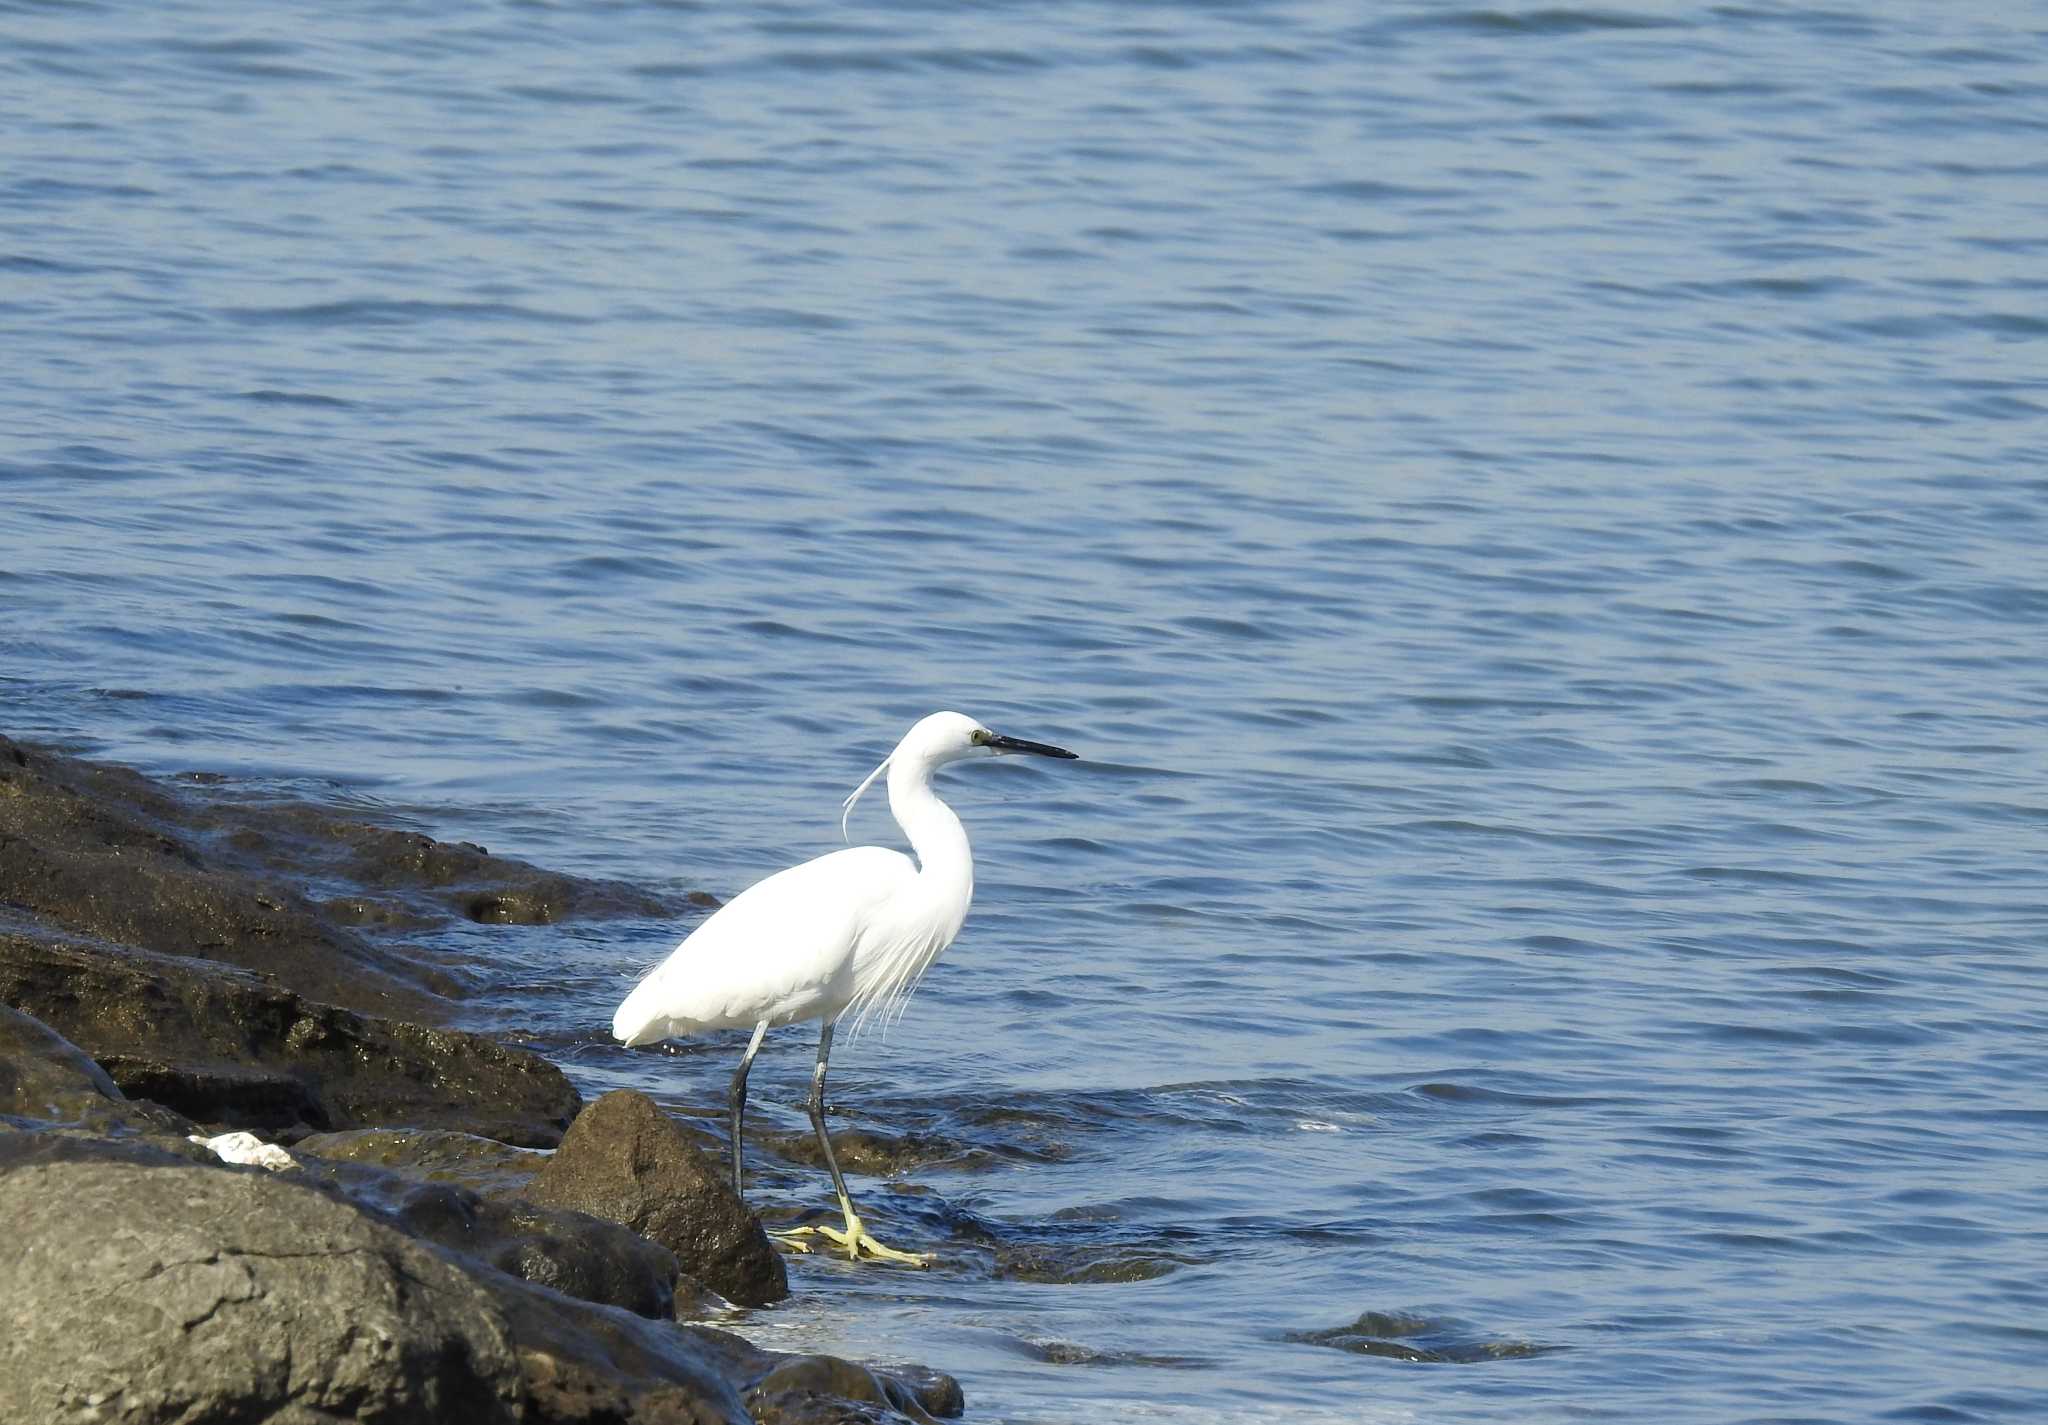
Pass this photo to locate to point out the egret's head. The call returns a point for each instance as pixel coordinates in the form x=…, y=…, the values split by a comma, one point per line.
x=941, y=738
x=949, y=736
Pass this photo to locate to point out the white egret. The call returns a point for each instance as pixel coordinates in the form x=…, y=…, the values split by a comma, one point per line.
x=853, y=930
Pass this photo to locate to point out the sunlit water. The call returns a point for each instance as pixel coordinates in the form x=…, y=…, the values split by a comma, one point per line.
x=1533, y=517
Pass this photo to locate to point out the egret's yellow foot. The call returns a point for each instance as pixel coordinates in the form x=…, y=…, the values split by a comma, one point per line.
x=857, y=1242
x=797, y=1239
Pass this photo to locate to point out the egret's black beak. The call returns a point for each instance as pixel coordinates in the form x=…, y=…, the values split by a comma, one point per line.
x=999, y=744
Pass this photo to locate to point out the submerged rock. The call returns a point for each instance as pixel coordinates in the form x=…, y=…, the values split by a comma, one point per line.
x=1402, y=1336
x=624, y=1160
x=1077, y=1264
x=223, y=1046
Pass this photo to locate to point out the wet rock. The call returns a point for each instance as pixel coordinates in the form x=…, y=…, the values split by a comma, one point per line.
x=102, y=851
x=281, y=887
x=816, y=1390
x=874, y=1154
x=49, y=1084
x=222, y=1046
x=824, y=1390
x=45, y=1076
x=624, y=1160
x=1075, y=1353
x=440, y=1155
x=212, y=1294
x=467, y=880
x=593, y=1365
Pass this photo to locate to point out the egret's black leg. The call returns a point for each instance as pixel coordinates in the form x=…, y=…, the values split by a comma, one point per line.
x=736, y=1104
x=817, y=1107
x=855, y=1239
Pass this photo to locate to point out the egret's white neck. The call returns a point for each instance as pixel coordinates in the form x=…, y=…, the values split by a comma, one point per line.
x=936, y=835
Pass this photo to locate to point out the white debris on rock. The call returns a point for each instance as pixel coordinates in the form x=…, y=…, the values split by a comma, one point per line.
x=246, y=1148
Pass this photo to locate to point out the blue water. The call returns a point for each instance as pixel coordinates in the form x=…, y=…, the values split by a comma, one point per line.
x=1533, y=516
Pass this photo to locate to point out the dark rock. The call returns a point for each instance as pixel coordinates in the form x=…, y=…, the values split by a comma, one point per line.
x=817, y=1390
x=585, y=1257
x=595, y=1365
x=814, y=1390
x=624, y=1160
x=206, y=1294
x=103, y=851
x=888, y=1155
x=467, y=879
x=224, y=1046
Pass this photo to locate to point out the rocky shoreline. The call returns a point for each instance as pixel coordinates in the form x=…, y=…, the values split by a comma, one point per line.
x=457, y=1236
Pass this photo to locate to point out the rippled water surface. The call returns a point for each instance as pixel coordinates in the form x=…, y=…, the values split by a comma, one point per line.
x=1532, y=515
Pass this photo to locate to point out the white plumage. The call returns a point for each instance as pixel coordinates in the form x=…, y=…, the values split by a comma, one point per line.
x=842, y=932
x=852, y=931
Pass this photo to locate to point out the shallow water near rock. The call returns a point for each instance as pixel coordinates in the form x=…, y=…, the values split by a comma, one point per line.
x=1532, y=517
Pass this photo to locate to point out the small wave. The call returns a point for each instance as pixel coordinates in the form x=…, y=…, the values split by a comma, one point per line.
x=268, y=397
x=386, y=312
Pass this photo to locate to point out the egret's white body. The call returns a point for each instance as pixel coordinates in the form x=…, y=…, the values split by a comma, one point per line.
x=852, y=931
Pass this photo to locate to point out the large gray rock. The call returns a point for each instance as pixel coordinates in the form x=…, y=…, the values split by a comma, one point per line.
x=624, y=1160
x=157, y=1293
x=224, y=1046
x=210, y=1295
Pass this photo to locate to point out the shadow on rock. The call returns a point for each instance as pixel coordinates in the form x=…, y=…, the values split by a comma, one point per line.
x=571, y=1252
